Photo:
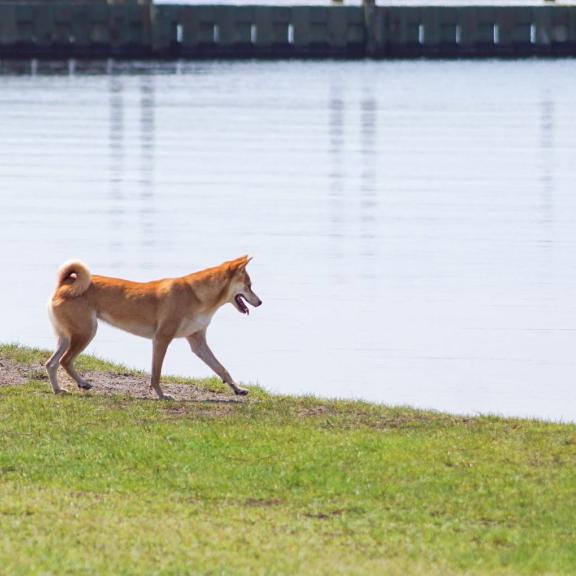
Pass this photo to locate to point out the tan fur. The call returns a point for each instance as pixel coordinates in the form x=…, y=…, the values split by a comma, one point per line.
x=160, y=310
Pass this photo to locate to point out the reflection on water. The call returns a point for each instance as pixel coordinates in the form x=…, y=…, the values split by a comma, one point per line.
x=147, y=159
x=115, y=203
x=412, y=222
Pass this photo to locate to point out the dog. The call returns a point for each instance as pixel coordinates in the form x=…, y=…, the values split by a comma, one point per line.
x=160, y=310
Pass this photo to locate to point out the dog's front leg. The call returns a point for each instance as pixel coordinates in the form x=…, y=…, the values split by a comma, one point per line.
x=160, y=345
x=200, y=347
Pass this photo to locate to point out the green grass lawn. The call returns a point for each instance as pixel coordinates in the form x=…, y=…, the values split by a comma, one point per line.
x=91, y=484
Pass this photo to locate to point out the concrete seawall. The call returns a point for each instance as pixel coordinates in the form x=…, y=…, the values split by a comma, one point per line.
x=76, y=30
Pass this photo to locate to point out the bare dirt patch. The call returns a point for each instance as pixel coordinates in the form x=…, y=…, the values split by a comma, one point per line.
x=263, y=502
x=110, y=384
x=11, y=374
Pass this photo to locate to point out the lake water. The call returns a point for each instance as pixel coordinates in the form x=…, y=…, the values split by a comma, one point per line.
x=413, y=224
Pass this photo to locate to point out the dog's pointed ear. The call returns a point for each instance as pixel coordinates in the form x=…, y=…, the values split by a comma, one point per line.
x=243, y=261
x=239, y=264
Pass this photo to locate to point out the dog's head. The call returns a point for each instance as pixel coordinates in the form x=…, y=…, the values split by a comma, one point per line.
x=240, y=290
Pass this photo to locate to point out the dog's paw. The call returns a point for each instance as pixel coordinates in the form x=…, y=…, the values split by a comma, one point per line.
x=166, y=397
x=61, y=392
x=240, y=391
x=84, y=385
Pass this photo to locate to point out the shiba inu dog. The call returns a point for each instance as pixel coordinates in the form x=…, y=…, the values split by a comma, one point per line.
x=160, y=310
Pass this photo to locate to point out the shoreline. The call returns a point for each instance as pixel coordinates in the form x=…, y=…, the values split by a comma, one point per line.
x=116, y=379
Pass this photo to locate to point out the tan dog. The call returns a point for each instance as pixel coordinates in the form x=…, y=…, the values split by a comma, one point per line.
x=160, y=310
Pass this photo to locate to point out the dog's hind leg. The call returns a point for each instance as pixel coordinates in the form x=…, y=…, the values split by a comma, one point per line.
x=52, y=364
x=200, y=347
x=78, y=343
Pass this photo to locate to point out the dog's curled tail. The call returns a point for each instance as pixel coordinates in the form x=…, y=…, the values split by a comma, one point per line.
x=73, y=279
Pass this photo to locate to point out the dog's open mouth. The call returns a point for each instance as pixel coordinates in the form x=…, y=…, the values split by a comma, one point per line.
x=239, y=299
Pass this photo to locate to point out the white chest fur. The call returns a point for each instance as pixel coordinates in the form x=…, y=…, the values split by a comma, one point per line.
x=189, y=326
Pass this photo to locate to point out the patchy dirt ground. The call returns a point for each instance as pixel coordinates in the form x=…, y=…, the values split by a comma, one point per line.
x=106, y=384
x=12, y=374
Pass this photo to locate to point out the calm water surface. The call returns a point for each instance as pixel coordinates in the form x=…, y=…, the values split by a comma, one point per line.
x=413, y=223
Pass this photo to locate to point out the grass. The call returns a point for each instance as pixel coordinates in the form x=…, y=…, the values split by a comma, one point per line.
x=275, y=485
